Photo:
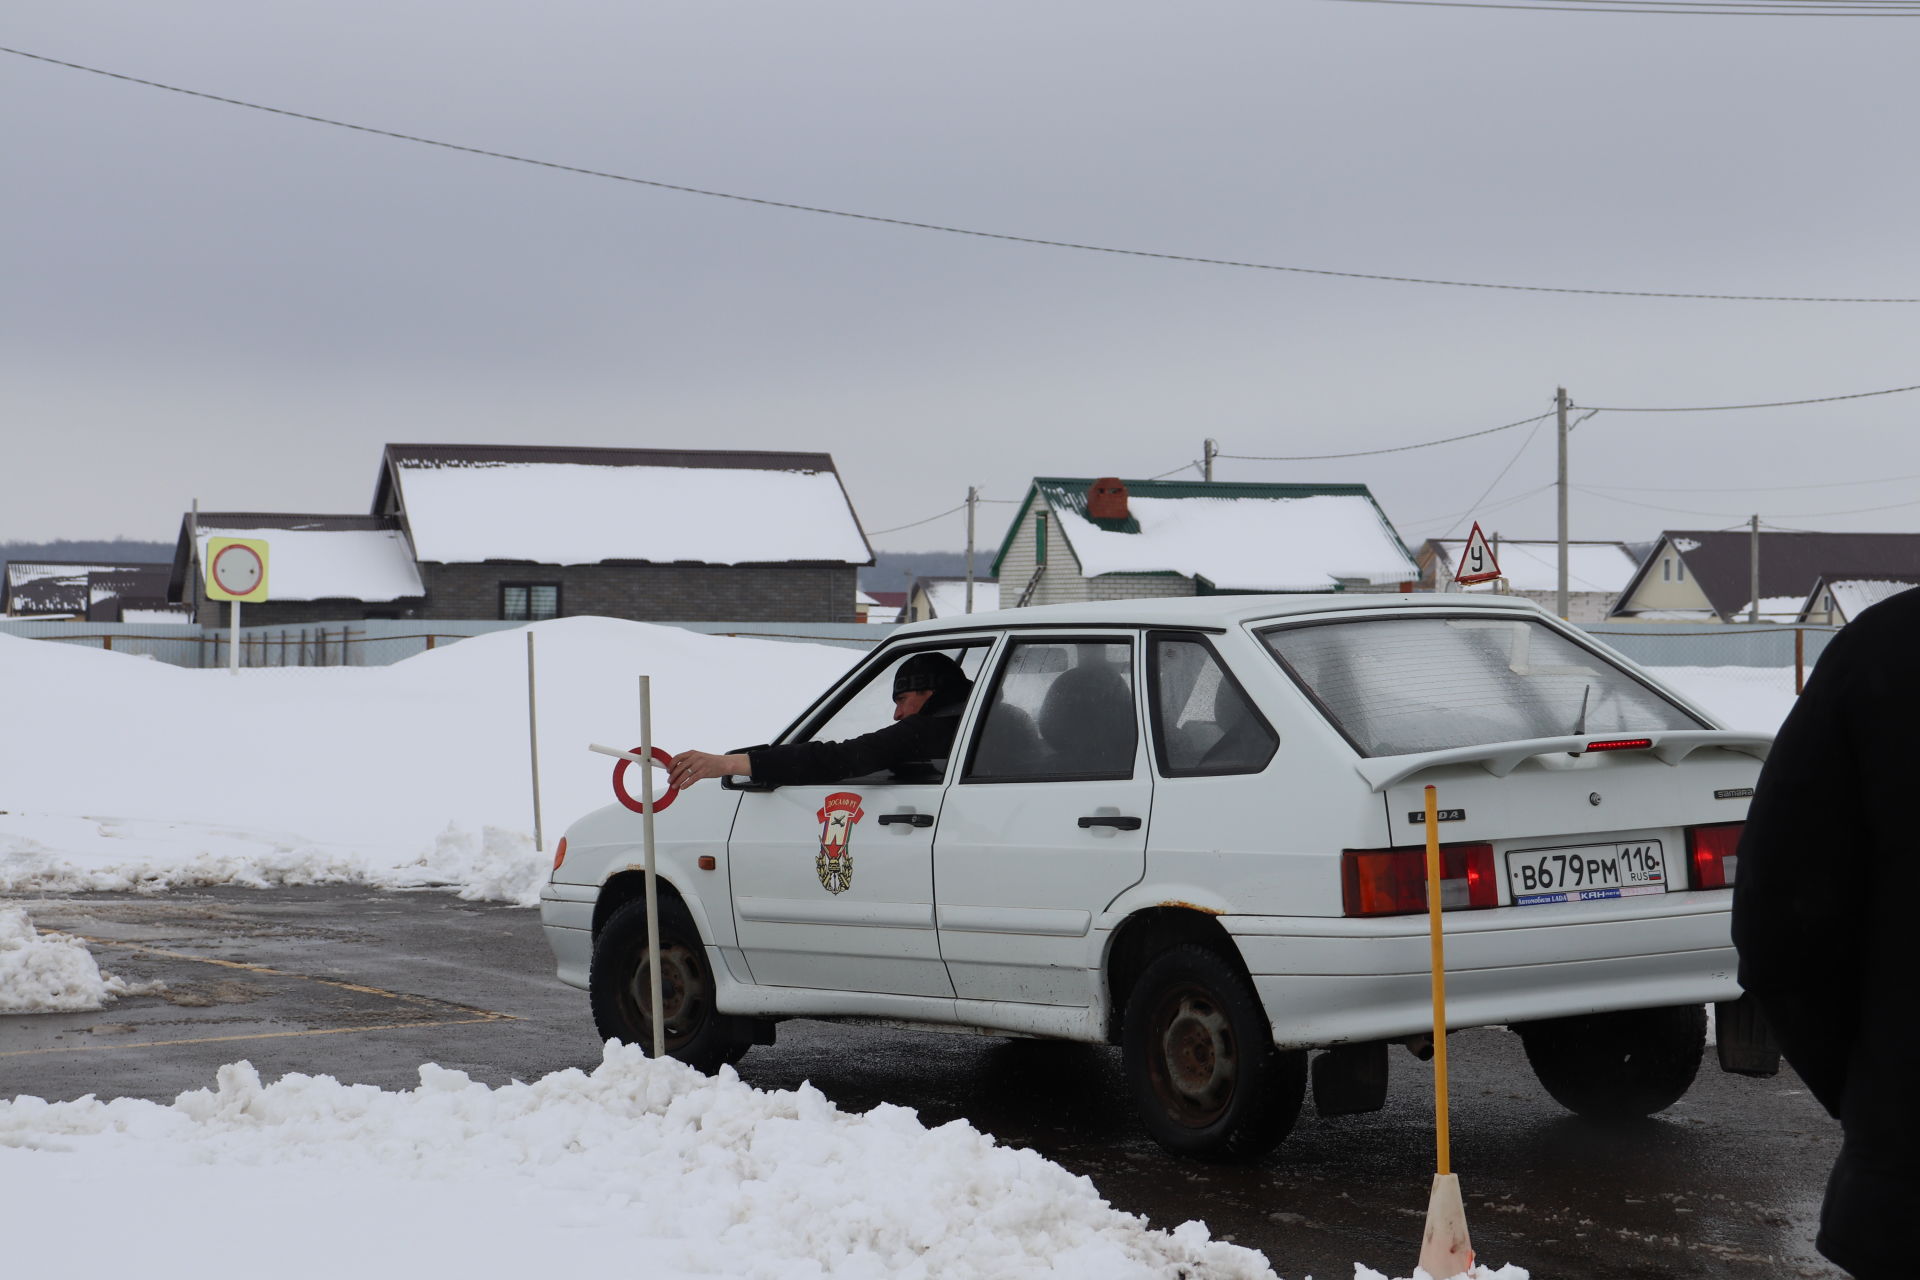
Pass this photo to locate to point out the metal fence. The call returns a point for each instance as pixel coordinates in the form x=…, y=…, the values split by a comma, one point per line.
x=375, y=642
x=1778, y=655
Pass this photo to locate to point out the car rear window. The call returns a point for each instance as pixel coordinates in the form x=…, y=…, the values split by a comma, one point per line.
x=1395, y=686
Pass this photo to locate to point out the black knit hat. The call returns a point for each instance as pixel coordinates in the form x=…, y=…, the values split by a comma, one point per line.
x=935, y=671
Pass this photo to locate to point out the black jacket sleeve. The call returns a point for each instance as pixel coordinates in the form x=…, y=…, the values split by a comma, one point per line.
x=1804, y=859
x=916, y=739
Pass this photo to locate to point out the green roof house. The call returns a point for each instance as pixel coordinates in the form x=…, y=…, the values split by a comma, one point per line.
x=1112, y=539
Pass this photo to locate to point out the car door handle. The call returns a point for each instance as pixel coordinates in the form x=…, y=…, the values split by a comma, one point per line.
x=1103, y=820
x=911, y=819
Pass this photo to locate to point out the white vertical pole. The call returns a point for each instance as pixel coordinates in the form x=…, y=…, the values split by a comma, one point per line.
x=533, y=746
x=233, y=638
x=653, y=892
x=1560, y=590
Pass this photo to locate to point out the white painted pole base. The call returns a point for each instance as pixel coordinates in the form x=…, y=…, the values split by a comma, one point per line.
x=1445, y=1250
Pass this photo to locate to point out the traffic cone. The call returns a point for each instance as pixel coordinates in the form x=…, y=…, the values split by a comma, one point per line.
x=1445, y=1250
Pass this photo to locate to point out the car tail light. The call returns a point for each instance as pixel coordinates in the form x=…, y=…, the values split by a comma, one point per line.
x=1713, y=854
x=1391, y=882
x=559, y=853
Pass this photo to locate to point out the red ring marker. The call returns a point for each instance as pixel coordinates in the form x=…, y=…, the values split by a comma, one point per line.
x=639, y=806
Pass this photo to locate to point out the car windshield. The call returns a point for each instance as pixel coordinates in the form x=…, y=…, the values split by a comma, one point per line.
x=1395, y=686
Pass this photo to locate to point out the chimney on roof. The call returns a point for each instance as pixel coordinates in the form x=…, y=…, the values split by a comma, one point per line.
x=1107, y=499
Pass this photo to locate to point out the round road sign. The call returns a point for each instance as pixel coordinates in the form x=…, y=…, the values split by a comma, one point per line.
x=632, y=802
x=237, y=569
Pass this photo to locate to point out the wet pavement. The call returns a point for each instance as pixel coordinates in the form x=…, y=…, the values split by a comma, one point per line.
x=364, y=986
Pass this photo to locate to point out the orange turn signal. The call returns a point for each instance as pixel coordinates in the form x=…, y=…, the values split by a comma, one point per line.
x=559, y=853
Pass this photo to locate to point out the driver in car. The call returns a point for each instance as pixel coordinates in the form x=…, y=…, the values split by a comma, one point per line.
x=929, y=692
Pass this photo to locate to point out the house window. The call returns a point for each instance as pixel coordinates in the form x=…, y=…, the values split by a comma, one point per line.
x=1666, y=569
x=1680, y=570
x=529, y=601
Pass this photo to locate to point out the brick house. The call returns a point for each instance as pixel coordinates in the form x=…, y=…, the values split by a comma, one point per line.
x=320, y=568
x=1111, y=539
x=663, y=535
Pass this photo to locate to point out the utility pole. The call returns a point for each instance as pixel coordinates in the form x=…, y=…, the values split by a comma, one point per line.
x=973, y=498
x=1209, y=450
x=1753, y=571
x=1560, y=593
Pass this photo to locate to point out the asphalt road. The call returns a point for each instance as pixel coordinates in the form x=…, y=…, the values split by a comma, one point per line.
x=364, y=986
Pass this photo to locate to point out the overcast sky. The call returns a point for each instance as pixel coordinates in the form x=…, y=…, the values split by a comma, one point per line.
x=205, y=301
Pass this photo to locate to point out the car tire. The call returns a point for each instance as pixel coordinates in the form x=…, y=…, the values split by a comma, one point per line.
x=617, y=985
x=1200, y=1061
x=1618, y=1066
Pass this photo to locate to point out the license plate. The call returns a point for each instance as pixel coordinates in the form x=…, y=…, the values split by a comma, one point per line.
x=1586, y=873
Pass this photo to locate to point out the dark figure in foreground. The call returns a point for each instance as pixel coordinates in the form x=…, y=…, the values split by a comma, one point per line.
x=929, y=692
x=1823, y=917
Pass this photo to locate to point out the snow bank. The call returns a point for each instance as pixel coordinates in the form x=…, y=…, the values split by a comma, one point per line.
x=49, y=972
x=118, y=774
x=641, y=1168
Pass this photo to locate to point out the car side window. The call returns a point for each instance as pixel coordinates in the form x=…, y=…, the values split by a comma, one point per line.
x=869, y=706
x=1203, y=722
x=1060, y=710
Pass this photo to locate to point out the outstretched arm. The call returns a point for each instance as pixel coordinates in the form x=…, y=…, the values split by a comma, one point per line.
x=690, y=766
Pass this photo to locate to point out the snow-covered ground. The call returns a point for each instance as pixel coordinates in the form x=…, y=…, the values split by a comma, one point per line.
x=119, y=773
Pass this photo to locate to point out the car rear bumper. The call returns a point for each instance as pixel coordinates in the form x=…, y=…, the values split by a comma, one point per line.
x=566, y=914
x=1330, y=981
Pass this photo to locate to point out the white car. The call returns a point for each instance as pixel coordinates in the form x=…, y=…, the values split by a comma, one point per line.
x=1195, y=828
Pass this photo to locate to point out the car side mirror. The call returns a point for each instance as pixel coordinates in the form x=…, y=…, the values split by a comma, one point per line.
x=732, y=783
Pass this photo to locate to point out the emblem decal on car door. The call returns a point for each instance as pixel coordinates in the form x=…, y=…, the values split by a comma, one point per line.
x=838, y=814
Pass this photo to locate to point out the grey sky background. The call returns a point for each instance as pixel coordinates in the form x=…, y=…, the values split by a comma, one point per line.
x=204, y=301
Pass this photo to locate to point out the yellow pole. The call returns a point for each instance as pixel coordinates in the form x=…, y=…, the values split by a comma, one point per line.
x=1442, y=1138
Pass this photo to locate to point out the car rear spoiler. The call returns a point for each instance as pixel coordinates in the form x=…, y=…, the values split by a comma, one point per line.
x=1671, y=746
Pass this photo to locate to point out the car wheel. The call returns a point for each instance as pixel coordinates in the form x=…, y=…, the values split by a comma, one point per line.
x=1615, y=1066
x=1200, y=1060
x=617, y=985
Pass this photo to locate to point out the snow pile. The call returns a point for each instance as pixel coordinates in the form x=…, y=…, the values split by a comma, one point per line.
x=642, y=1168
x=49, y=972
x=1256, y=544
x=119, y=774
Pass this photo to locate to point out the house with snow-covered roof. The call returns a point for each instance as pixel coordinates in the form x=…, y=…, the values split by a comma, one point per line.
x=525, y=532
x=1839, y=598
x=1597, y=572
x=1111, y=539
x=939, y=596
x=139, y=590
x=320, y=568
x=54, y=588
x=1707, y=575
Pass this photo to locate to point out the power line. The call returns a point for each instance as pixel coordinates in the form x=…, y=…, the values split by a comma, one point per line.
x=1752, y=488
x=1728, y=11
x=1368, y=453
x=932, y=226
x=875, y=533
x=1771, y=404
x=1790, y=515
x=1496, y=480
x=1455, y=515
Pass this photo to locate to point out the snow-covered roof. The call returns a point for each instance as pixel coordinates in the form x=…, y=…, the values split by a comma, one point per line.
x=947, y=597
x=1241, y=537
x=464, y=504
x=313, y=557
x=1772, y=608
x=43, y=587
x=1534, y=565
x=1851, y=595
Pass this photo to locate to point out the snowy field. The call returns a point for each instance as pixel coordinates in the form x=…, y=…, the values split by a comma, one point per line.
x=126, y=774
